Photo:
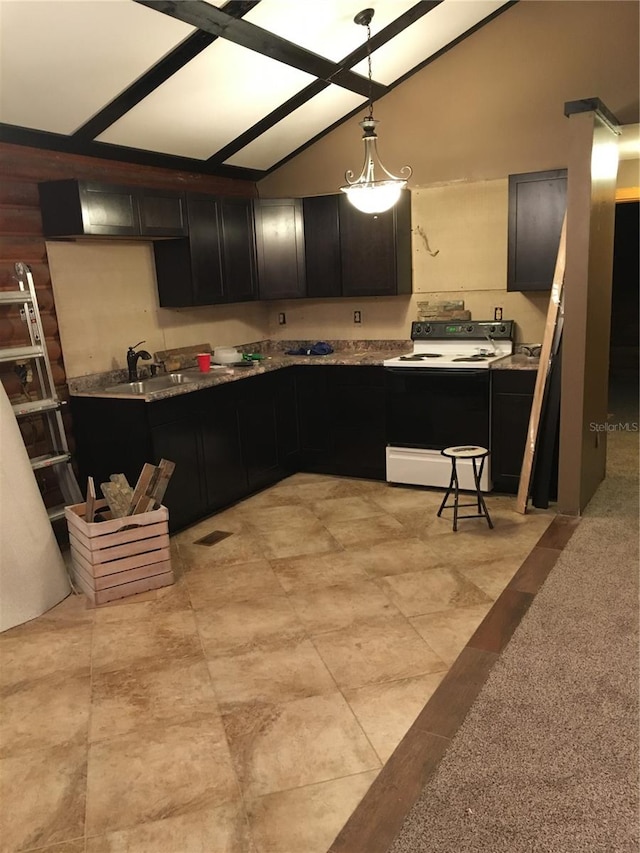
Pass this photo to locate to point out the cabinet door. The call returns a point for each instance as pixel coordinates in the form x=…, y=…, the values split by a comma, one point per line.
x=537, y=204
x=259, y=432
x=238, y=249
x=376, y=249
x=206, y=258
x=109, y=210
x=173, y=273
x=358, y=434
x=76, y=208
x=314, y=419
x=179, y=441
x=286, y=410
x=162, y=213
x=280, y=248
x=223, y=466
x=111, y=436
x=322, y=246
x=512, y=396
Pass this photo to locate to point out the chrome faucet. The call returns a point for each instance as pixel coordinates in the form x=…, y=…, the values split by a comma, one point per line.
x=492, y=342
x=132, y=360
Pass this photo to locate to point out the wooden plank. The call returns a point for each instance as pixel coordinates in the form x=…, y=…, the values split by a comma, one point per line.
x=75, y=516
x=118, y=498
x=132, y=588
x=543, y=372
x=121, y=481
x=130, y=533
x=142, y=485
x=136, y=574
x=145, y=504
x=98, y=570
x=166, y=469
x=90, y=509
x=129, y=549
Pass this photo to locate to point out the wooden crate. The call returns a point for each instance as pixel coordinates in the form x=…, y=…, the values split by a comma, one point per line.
x=120, y=556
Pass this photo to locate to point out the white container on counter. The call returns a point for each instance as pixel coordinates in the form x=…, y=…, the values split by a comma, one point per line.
x=226, y=355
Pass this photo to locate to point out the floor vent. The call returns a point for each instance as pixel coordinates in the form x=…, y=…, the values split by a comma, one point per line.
x=213, y=538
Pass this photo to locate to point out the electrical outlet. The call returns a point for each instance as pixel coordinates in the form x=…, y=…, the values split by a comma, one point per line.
x=282, y=319
x=357, y=317
x=497, y=313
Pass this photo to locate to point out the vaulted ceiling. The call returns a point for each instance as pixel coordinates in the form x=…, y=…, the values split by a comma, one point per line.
x=234, y=88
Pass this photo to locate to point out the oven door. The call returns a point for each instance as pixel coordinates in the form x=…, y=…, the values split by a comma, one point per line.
x=433, y=409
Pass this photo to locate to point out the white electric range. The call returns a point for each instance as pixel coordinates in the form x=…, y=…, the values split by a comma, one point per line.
x=438, y=396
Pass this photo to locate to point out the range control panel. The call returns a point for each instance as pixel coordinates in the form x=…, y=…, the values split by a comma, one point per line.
x=461, y=330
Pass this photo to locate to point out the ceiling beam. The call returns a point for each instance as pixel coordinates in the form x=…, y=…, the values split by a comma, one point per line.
x=16, y=135
x=156, y=75
x=217, y=22
x=382, y=37
x=396, y=83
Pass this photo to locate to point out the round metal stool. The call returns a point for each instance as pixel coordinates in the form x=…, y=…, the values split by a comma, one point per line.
x=474, y=453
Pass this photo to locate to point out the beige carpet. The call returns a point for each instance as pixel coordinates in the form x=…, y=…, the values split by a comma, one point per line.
x=547, y=757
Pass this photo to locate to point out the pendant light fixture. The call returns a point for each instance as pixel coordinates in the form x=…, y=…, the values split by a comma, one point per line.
x=376, y=189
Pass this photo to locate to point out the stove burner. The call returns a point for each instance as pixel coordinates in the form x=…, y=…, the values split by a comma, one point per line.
x=418, y=356
x=471, y=358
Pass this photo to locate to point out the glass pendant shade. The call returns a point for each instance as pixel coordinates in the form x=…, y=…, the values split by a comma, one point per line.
x=369, y=193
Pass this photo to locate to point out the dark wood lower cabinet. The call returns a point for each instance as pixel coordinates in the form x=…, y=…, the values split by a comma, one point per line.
x=226, y=441
x=341, y=413
x=358, y=418
x=259, y=431
x=237, y=438
x=511, y=399
x=314, y=420
x=222, y=465
x=178, y=440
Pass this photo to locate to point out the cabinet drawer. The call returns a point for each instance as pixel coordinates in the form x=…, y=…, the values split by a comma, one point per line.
x=514, y=381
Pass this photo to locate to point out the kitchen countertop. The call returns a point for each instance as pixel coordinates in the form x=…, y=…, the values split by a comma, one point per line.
x=518, y=361
x=222, y=375
x=274, y=360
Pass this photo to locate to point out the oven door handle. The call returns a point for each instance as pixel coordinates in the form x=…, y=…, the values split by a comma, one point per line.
x=440, y=371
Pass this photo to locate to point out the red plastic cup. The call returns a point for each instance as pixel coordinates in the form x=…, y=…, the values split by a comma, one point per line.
x=204, y=361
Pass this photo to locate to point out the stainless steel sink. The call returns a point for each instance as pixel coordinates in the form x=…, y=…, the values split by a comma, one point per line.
x=128, y=388
x=148, y=386
x=177, y=378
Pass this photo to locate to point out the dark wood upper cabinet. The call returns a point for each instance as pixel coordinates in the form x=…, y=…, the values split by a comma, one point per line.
x=376, y=249
x=216, y=263
x=322, y=246
x=73, y=208
x=280, y=248
x=537, y=203
x=162, y=213
x=205, y=275
x=238, y=249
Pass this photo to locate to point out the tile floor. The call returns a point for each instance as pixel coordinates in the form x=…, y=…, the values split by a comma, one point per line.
x=247, y=708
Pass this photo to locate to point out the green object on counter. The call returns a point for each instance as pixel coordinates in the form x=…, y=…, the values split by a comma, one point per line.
x=252, y=356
